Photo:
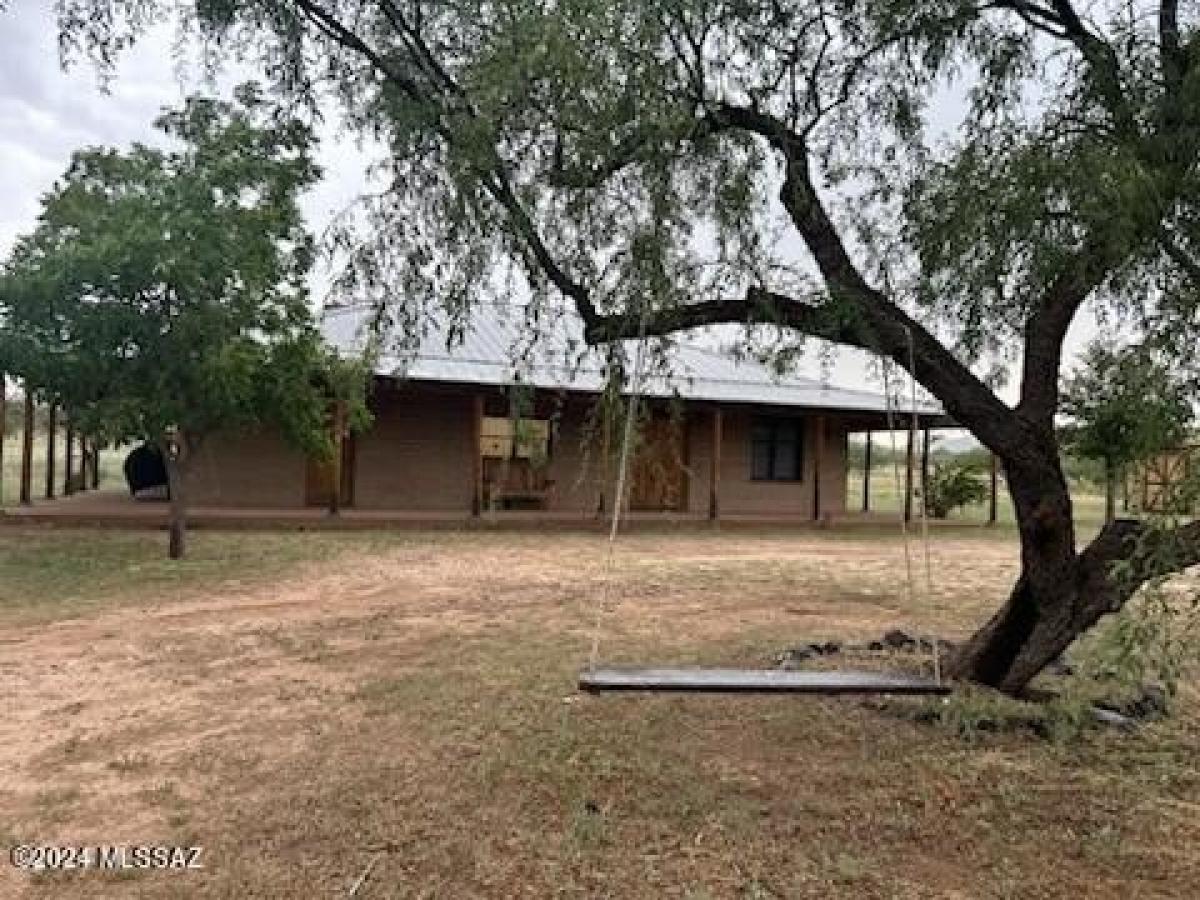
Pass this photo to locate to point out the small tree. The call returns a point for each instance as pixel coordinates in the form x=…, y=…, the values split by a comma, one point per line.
x=1123, y=404
x=162, y=295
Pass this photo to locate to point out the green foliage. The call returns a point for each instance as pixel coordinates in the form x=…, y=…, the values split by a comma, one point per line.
x=1124, y=404
x=974, y=714
x=952, y=486
x=1081, y=470
x=588, y=149
x=163, y=291
x=1152, y=639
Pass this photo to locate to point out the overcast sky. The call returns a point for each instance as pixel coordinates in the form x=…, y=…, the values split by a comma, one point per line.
x=46, y=114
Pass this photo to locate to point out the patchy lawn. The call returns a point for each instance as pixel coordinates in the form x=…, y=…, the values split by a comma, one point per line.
x=301, y=705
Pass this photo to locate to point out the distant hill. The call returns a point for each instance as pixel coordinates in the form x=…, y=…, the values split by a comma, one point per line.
x=956, y=443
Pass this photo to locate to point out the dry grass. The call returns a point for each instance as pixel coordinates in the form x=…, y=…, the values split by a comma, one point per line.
x=415, y=693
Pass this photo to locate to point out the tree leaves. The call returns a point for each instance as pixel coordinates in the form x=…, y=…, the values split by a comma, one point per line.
x=1124, y=404
x=164, y=290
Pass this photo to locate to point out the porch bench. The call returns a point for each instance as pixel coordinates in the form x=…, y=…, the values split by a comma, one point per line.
x=506, y=497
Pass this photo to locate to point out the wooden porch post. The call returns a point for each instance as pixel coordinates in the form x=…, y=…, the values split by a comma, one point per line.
x=338, y=426
x=714, y=477
x=85, y=463
x=924, y=464
x=476, y=455
x=908, y=477
x=27, y=450
x=81, y=477
x=866, y=501
x=818, y=465
x=3, y=418
x=69, y=461
x=992, y=499
x=605, y=465
x=51, y=427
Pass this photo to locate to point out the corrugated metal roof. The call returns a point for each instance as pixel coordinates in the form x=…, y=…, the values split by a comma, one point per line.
x=501, y=347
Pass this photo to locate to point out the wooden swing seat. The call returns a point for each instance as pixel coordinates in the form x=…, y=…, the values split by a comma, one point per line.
x=753, y=681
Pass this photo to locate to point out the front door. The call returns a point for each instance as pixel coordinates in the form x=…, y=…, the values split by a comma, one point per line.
x=658, y=479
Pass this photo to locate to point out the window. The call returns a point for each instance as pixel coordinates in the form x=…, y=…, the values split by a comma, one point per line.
x=776, y=449
x=515, y=439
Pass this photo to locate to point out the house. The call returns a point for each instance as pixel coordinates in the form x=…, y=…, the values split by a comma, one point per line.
x=510, y=417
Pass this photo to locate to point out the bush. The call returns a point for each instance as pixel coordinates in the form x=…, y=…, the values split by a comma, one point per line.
x=951, y=487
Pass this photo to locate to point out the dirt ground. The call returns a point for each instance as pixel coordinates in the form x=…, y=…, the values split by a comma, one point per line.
x=409, y=707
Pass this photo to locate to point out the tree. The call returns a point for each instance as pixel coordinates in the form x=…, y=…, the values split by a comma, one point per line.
x=162, y=295
x=1124, y=405
x=643, y=160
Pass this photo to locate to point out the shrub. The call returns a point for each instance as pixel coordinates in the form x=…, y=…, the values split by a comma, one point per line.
x=950, y=487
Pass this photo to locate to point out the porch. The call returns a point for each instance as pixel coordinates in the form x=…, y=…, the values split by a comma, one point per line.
x=116, y=509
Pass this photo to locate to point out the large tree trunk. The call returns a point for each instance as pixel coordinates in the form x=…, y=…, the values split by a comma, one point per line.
x=1060, y=593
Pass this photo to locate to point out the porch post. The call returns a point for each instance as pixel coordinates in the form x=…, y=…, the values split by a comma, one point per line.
x=3, y=417
x=818, y=465
x=714, y=477
x=51, y=426
x=908, y=477
x=84, y=463
x=992, y=499
x=866, y=501
x=338, y=426
x=476, y=455
x=69, y=461
x=924, y=464
x=605, y=464
x=27, y=450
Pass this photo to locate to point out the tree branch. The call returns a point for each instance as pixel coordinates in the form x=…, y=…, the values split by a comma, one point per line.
x=495, y=179
x=860, y=316
x=1125, y=539
x=1062, y=22
x=1046, y=329
x=869, y=318
x=1168, y=40
x=1181, y=257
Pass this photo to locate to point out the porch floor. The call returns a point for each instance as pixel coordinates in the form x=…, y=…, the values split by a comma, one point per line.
x=117, y=509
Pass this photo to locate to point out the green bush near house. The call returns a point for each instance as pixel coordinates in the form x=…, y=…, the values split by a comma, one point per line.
x=952, y=486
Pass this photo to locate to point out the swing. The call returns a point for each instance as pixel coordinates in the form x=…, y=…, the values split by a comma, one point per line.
x=597, y=678
x=752, y=681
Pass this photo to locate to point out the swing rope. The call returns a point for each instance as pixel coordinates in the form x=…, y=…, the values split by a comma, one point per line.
x=619, y=500
x=914, y=425
x=913, y=428
x=694, y=680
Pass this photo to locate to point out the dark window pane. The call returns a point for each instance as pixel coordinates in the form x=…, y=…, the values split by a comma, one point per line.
x=786, y=468
x=776, y=449
x=760, y=460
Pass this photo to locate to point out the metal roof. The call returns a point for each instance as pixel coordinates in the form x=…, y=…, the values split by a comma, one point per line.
x=500, y=346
